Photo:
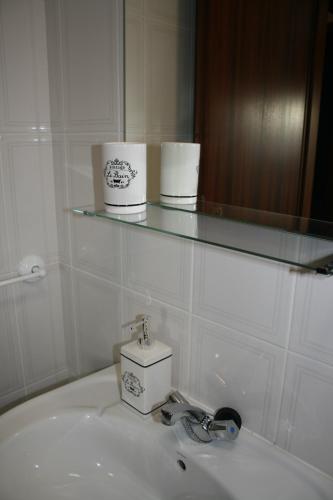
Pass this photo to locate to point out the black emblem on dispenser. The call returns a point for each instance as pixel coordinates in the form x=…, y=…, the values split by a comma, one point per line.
x=132, y=384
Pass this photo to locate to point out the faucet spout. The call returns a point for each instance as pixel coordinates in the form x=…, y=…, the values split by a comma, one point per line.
x=173, y=412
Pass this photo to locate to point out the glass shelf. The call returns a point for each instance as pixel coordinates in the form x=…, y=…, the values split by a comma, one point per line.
x=304, y=243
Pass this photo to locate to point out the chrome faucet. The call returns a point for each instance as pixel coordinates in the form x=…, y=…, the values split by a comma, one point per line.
x=200, y=426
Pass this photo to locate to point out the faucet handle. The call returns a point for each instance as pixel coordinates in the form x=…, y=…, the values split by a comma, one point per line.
x=226, y=420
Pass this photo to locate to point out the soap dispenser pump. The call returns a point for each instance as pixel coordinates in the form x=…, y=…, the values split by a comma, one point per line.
x=145, y=370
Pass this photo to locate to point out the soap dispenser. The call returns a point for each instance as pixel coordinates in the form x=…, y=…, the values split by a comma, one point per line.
x=145, y=370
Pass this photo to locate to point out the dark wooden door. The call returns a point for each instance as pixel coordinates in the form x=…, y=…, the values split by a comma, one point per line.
x=254, y=97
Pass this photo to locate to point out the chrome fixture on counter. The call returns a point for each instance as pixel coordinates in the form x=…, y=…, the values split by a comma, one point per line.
x=200, y=426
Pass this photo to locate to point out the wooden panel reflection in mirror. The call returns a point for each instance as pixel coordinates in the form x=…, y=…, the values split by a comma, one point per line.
x=258, y=83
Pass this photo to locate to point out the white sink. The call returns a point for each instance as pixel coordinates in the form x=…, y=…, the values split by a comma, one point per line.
x=78, y=442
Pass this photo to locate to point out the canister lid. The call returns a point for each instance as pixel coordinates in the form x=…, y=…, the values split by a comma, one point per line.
x=146, y=355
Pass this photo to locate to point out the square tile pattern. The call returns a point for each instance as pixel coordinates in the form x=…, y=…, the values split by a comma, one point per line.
x=306, y=415
x=157, y=266
x=98, y=313
x=246, y=293
x=231, y=369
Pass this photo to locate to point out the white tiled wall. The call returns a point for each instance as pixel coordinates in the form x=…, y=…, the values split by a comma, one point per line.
x=86, y=101
x=32, y=344
x=84, y=40
x=306, y=412
x=264, y=294
x=246, y=333
x=98, y=313
x=145, y=262
x=60, y=93
x=231, y=369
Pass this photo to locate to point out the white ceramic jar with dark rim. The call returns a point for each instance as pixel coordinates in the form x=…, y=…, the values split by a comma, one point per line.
x=179, y=172
x=124, y=168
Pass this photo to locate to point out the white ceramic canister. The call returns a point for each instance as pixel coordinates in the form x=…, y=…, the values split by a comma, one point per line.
x=179, y=172
x=124, y=167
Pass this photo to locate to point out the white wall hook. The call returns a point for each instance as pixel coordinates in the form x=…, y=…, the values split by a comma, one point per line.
x=31, y=268
x=32, y=265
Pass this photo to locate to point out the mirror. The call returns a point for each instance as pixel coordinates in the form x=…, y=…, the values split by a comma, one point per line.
x=159, y=106
x=159, y=77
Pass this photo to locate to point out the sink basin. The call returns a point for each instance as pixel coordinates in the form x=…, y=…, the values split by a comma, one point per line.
x=79, y=442
x=83, y=456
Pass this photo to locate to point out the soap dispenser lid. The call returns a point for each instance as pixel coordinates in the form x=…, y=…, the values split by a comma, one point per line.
x=145, y=357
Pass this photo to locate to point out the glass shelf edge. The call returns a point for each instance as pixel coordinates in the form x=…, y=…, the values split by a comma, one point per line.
x=324, y=268
x=279, y=221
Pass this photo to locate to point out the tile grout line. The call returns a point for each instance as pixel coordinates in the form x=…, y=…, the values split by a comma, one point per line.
x=122, y=319
x=285, y=361
x=189, y=323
